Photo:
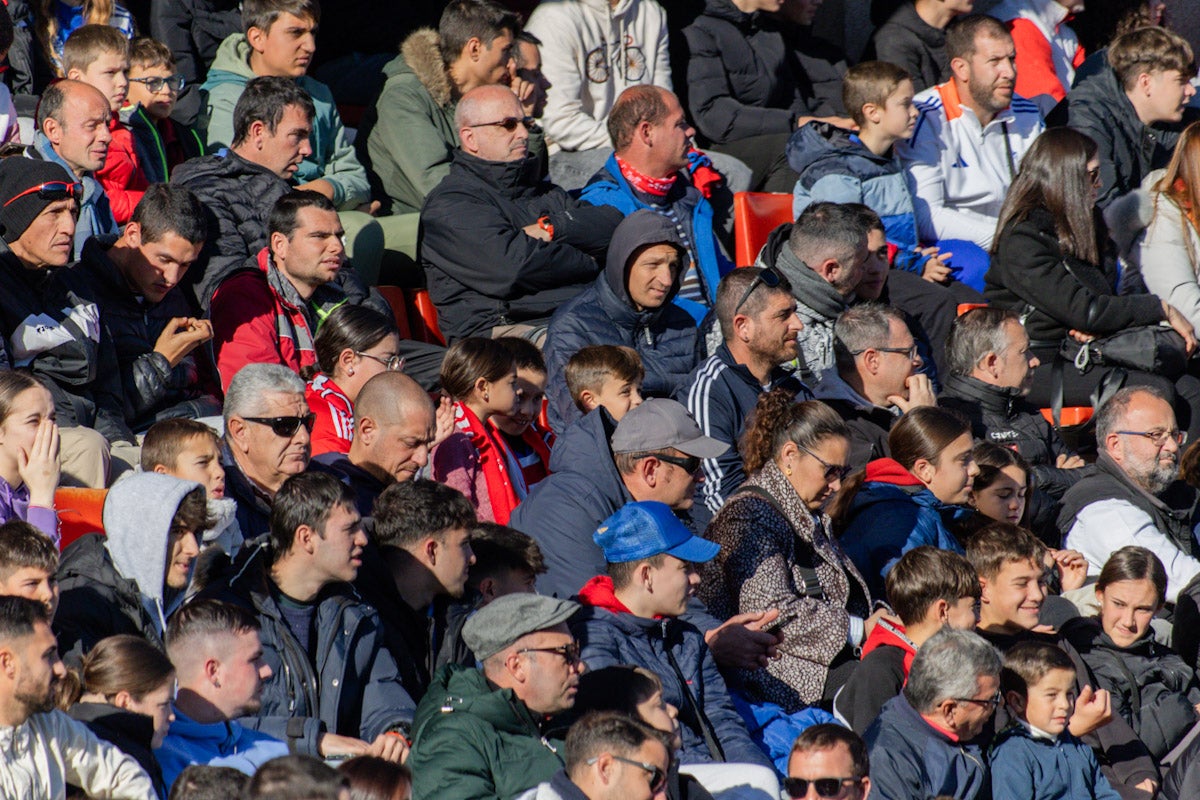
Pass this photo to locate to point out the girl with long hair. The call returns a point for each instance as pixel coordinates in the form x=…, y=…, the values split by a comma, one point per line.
x=56, y=20
x=29, y=443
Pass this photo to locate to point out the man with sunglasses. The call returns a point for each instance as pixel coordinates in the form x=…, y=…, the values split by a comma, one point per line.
x=829, y=762
x=610, y=756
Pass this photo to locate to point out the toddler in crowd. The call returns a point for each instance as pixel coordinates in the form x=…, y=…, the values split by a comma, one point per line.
x=606, y=375
x=527, y=444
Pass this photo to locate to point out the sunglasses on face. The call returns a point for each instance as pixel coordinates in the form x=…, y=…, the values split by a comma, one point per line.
x=832, y=471
x=50, y=190
x=689, y=464
x=156, y=85
x=569, y=652
x=286, y=427
x=508, y=123
x=768, y=277
x=658, y=778
x=795, y=788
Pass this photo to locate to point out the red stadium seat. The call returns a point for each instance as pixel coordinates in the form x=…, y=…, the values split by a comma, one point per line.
x=965, y=307
x=755, y=215
x=395, y=298
x=423, y=317
x=80, y=511
x=1071, y=415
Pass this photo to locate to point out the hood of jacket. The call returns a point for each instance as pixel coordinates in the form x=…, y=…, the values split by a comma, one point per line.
x=892, y=473
x=819, y=141
x=726, y=10
x=640, y=229
x=1101, y=92
x=888, y=634
x=137, y=521
x=808, y=287
x=600, y=593
x=231, y=64
x=464, y=689
x=1003, y=400
x=906, y=17
x=421, y=55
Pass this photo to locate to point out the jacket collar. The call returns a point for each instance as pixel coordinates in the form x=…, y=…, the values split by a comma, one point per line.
x=1000, y=399
x=809, y=288
x=507, y=175
x=1105, y=464
x=777, y=376
x=422, y=52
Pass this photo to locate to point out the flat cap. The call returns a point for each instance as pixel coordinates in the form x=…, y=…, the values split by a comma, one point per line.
x=506, y=619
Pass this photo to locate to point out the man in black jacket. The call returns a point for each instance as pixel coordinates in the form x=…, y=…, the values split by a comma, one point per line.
x=502, y=251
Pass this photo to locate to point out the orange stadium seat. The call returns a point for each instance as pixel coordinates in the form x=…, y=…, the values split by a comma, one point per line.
x=755, y=215
x=80, y=511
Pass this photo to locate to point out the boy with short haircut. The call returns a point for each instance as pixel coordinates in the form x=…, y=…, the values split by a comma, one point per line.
x=606, y=375
x=527, y=443
x=929, y=589
x=98, y=55
x=841, y=166
x=154, y=87
x=1037, y=758
x=28, y=561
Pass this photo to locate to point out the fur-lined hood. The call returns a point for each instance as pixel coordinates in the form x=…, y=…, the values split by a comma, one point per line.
x=422, y=52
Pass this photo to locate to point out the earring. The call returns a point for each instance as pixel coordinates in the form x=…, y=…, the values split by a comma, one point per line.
x=349, y=370
x=486, y=398
x=787, y=470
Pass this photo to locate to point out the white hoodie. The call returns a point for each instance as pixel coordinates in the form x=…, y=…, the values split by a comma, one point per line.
x=591, y=52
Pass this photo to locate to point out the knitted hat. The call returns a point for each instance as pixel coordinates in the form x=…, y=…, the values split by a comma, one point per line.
x=17, y=175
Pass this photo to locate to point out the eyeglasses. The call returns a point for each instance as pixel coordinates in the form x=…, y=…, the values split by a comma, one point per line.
x=794, y=788
x=658, y=778
x=508, y=123
x=156, y=85
x=1094, y=177
x=994, y=701
x=690, y=464
x=286, y=427
x=1159, y=438
x=391, y=363
x=767, y=277
x=50, y=190
x=911, y=352
x=569, y=652
x=832, y=471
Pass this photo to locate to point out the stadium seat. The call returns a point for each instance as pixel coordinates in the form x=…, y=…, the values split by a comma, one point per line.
x=395, y=298
x=965, y=307
x=80, y=511
x=755, y=215
x=423, y=317
x=1071, y=415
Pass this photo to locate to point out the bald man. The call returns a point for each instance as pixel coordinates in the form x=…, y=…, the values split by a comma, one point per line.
x=394, y=427
x=73, y=132
x=541, y=245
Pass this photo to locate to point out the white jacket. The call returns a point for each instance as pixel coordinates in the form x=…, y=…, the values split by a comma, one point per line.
x=958, y=171
x=1169, y=257
x=40, y=757
x=591, y=52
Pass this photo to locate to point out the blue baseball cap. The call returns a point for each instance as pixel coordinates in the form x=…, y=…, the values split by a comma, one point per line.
x=641, y=530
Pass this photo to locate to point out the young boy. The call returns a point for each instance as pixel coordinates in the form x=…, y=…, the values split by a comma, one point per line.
x=1037, y=758
x=99, y=55
x=606, y=375
x=28, y=561
x=189, y=450
x=154, y=86
x=928, y=589
x=839, y=166
x=528, y=444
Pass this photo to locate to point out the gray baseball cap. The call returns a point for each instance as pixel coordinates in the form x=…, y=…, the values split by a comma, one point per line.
x=660, y=424
x=506, y=619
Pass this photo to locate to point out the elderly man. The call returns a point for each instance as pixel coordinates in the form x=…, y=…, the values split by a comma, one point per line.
x=542, y=244
x=828, y=752
x=334, y=689
x=757, y=316
x=1135, y=496
x=73, y=132
x=267, y=427
x=875, y=378
x=394, y=428
x=220, y=668
x=919, y=743
x=485, y=733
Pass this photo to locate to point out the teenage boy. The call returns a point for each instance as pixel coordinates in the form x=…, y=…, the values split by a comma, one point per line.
x=527, y=443
x=608, y=376
x=98, y=55
x=1009, y=561
x=929, y=589
x=154, y=87
x=1038, y=758
x=28, y=561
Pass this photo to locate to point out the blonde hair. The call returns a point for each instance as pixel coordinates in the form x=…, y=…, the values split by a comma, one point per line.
x=95, y=12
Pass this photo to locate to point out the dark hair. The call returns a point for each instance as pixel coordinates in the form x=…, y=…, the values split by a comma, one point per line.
x=167, y=438
x=925, y=575
x=88, y=42
x=18, y=616
x=54, y=97
x=12, y=383
x=870, y=82
x=975, y=334
x=262, y=14
x=999, y=543
x=374, y=778
x=962, y=32
x=265, y=99
x=204, y=782
x=525, y=354
x=170, y=208
x=1026, y=663
x=295, y=778
x=122, y=663
x=24, y=546
x=1132, y=563
x=192, y=514
x=618, y=688
x=305, y=499
x=146, y=52
x=635, y=105
x=621, y=572
x=1149, y=49
x=826, y=736
x=7, y=31
x=408, y=511
x=349, y=327
x=284, y=213
x=731, y=289
x=778, y=419
x=828, y=230
x=591, y=366
x=207, y=617
x=605, y=732
x=464, y=20
x=991, y=458
x=528, y=38
x=470, y=359
x=1054, y=176
x=499, y=548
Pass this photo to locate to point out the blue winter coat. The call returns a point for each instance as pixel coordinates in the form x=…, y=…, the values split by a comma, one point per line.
x=603, y=313
x=910, y=760
x=1028, y=768
x=608, y=187
x=217, y=744
x=836, y=167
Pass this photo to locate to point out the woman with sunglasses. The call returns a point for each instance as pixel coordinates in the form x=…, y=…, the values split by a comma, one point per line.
x=353, y=345
x=778, y=551
x=912, y=498
x=1052, y=263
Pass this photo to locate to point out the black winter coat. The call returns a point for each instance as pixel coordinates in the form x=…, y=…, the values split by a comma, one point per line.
x=910, y=42
x=132, y=733
x=483, y=269
x=152, y=389
x=253, y=508
x=193, y=30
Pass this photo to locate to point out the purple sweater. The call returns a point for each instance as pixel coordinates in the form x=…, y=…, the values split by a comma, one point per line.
x=14, y=504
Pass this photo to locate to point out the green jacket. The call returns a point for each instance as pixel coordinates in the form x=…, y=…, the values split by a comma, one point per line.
x=332, y=156
x=474, y=742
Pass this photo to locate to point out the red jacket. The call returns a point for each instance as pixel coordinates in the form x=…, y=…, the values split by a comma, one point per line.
x=121, y=176
x=334, y=428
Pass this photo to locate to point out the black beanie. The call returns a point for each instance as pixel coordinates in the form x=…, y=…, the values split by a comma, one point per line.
x=16, y=175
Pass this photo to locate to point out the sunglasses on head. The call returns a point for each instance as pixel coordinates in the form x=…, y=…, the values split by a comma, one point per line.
x=508, y=123
x=767, y=277
x=50, y=190
x=156, y=85
x=794, y=788
x=658, y=778
x=286, y=427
